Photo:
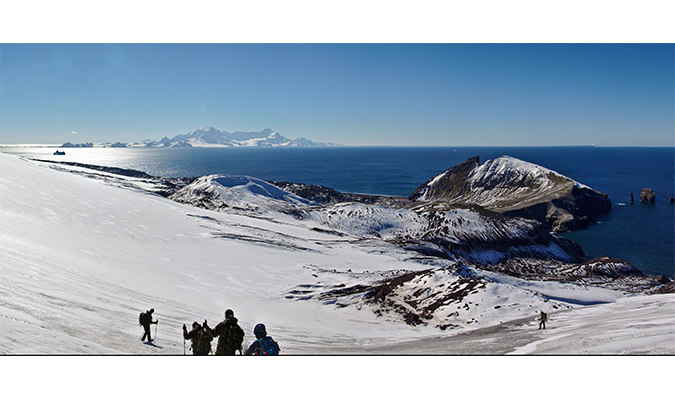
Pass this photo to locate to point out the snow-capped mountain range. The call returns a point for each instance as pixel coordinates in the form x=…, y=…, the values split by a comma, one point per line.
x=212, y=137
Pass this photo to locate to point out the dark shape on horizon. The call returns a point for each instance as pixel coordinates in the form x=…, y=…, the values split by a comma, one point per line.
x=647, y=196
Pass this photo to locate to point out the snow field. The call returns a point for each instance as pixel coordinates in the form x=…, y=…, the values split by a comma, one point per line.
x=82, y=258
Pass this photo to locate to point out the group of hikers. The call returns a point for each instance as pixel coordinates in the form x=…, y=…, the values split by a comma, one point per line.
x=229, y=333
x=231, y=336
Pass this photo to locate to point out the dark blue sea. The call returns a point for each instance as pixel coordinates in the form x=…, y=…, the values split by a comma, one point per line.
x=642, y=234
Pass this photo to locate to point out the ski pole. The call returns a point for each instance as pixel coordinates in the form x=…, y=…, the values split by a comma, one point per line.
x=156, y=330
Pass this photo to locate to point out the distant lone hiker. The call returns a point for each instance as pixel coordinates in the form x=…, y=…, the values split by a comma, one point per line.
x=145, y=319
x=264, y=345
x=230, y=335
x=542, y=320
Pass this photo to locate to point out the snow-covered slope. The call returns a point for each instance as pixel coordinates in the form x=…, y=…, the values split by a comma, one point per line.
x=82, y=257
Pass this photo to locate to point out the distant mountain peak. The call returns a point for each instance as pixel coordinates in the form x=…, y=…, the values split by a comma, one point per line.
x=209, y=136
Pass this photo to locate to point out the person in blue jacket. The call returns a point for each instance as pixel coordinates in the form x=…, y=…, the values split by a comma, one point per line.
x=263, y=345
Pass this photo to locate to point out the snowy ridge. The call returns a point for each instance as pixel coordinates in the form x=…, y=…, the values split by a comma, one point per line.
x=504, y=181
x=499, y=178
x=237, y=192
x=517, y=188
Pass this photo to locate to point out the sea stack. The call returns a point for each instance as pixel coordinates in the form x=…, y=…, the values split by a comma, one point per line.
x=647, y=196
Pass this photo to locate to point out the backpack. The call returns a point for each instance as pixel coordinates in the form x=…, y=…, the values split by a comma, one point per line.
x=141, y=319
x=268, y=347
x=235, y=336
x=203, y=342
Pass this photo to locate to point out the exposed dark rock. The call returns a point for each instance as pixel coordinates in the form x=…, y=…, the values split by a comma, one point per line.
x=672, y=200
x=611, y=273
x=590, y=202
x=647, y=196
x=469, y=245
x=391, y=294
x=602, y=266
x=453, y=182
x=326, y=196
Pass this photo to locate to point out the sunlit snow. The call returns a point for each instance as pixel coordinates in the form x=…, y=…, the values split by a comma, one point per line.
x=82, y=257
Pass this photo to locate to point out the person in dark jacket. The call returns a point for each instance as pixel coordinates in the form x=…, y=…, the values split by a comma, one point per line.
x=200, y=338
x=145, y=321
x=264, y=345
x=230, y=335
x=542, y=319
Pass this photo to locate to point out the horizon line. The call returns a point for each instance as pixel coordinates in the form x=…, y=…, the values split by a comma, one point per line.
x=50, y=145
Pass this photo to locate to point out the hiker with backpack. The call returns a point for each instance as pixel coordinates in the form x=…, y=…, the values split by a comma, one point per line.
x=230, y=335
x=542, y=319
x=200, y=338
x=264, y=345
x=145, y=319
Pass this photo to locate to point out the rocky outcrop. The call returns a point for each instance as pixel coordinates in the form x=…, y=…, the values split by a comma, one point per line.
x=326, y=196
x=647, y=196
x=447, y=186
x=517, y=188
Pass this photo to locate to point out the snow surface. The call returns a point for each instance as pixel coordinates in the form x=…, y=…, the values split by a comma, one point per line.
x=82, y=257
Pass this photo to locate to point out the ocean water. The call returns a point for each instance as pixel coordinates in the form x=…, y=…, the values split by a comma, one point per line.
x=642, y=234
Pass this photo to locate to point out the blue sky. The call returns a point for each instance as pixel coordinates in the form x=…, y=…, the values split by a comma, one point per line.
x=354, y=94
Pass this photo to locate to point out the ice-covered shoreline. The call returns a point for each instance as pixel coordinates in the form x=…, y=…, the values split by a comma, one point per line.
x=84, y=256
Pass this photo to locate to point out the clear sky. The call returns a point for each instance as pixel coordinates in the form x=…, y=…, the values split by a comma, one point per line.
x=353, y=94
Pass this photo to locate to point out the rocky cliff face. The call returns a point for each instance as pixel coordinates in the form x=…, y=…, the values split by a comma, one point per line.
x=516, y=188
